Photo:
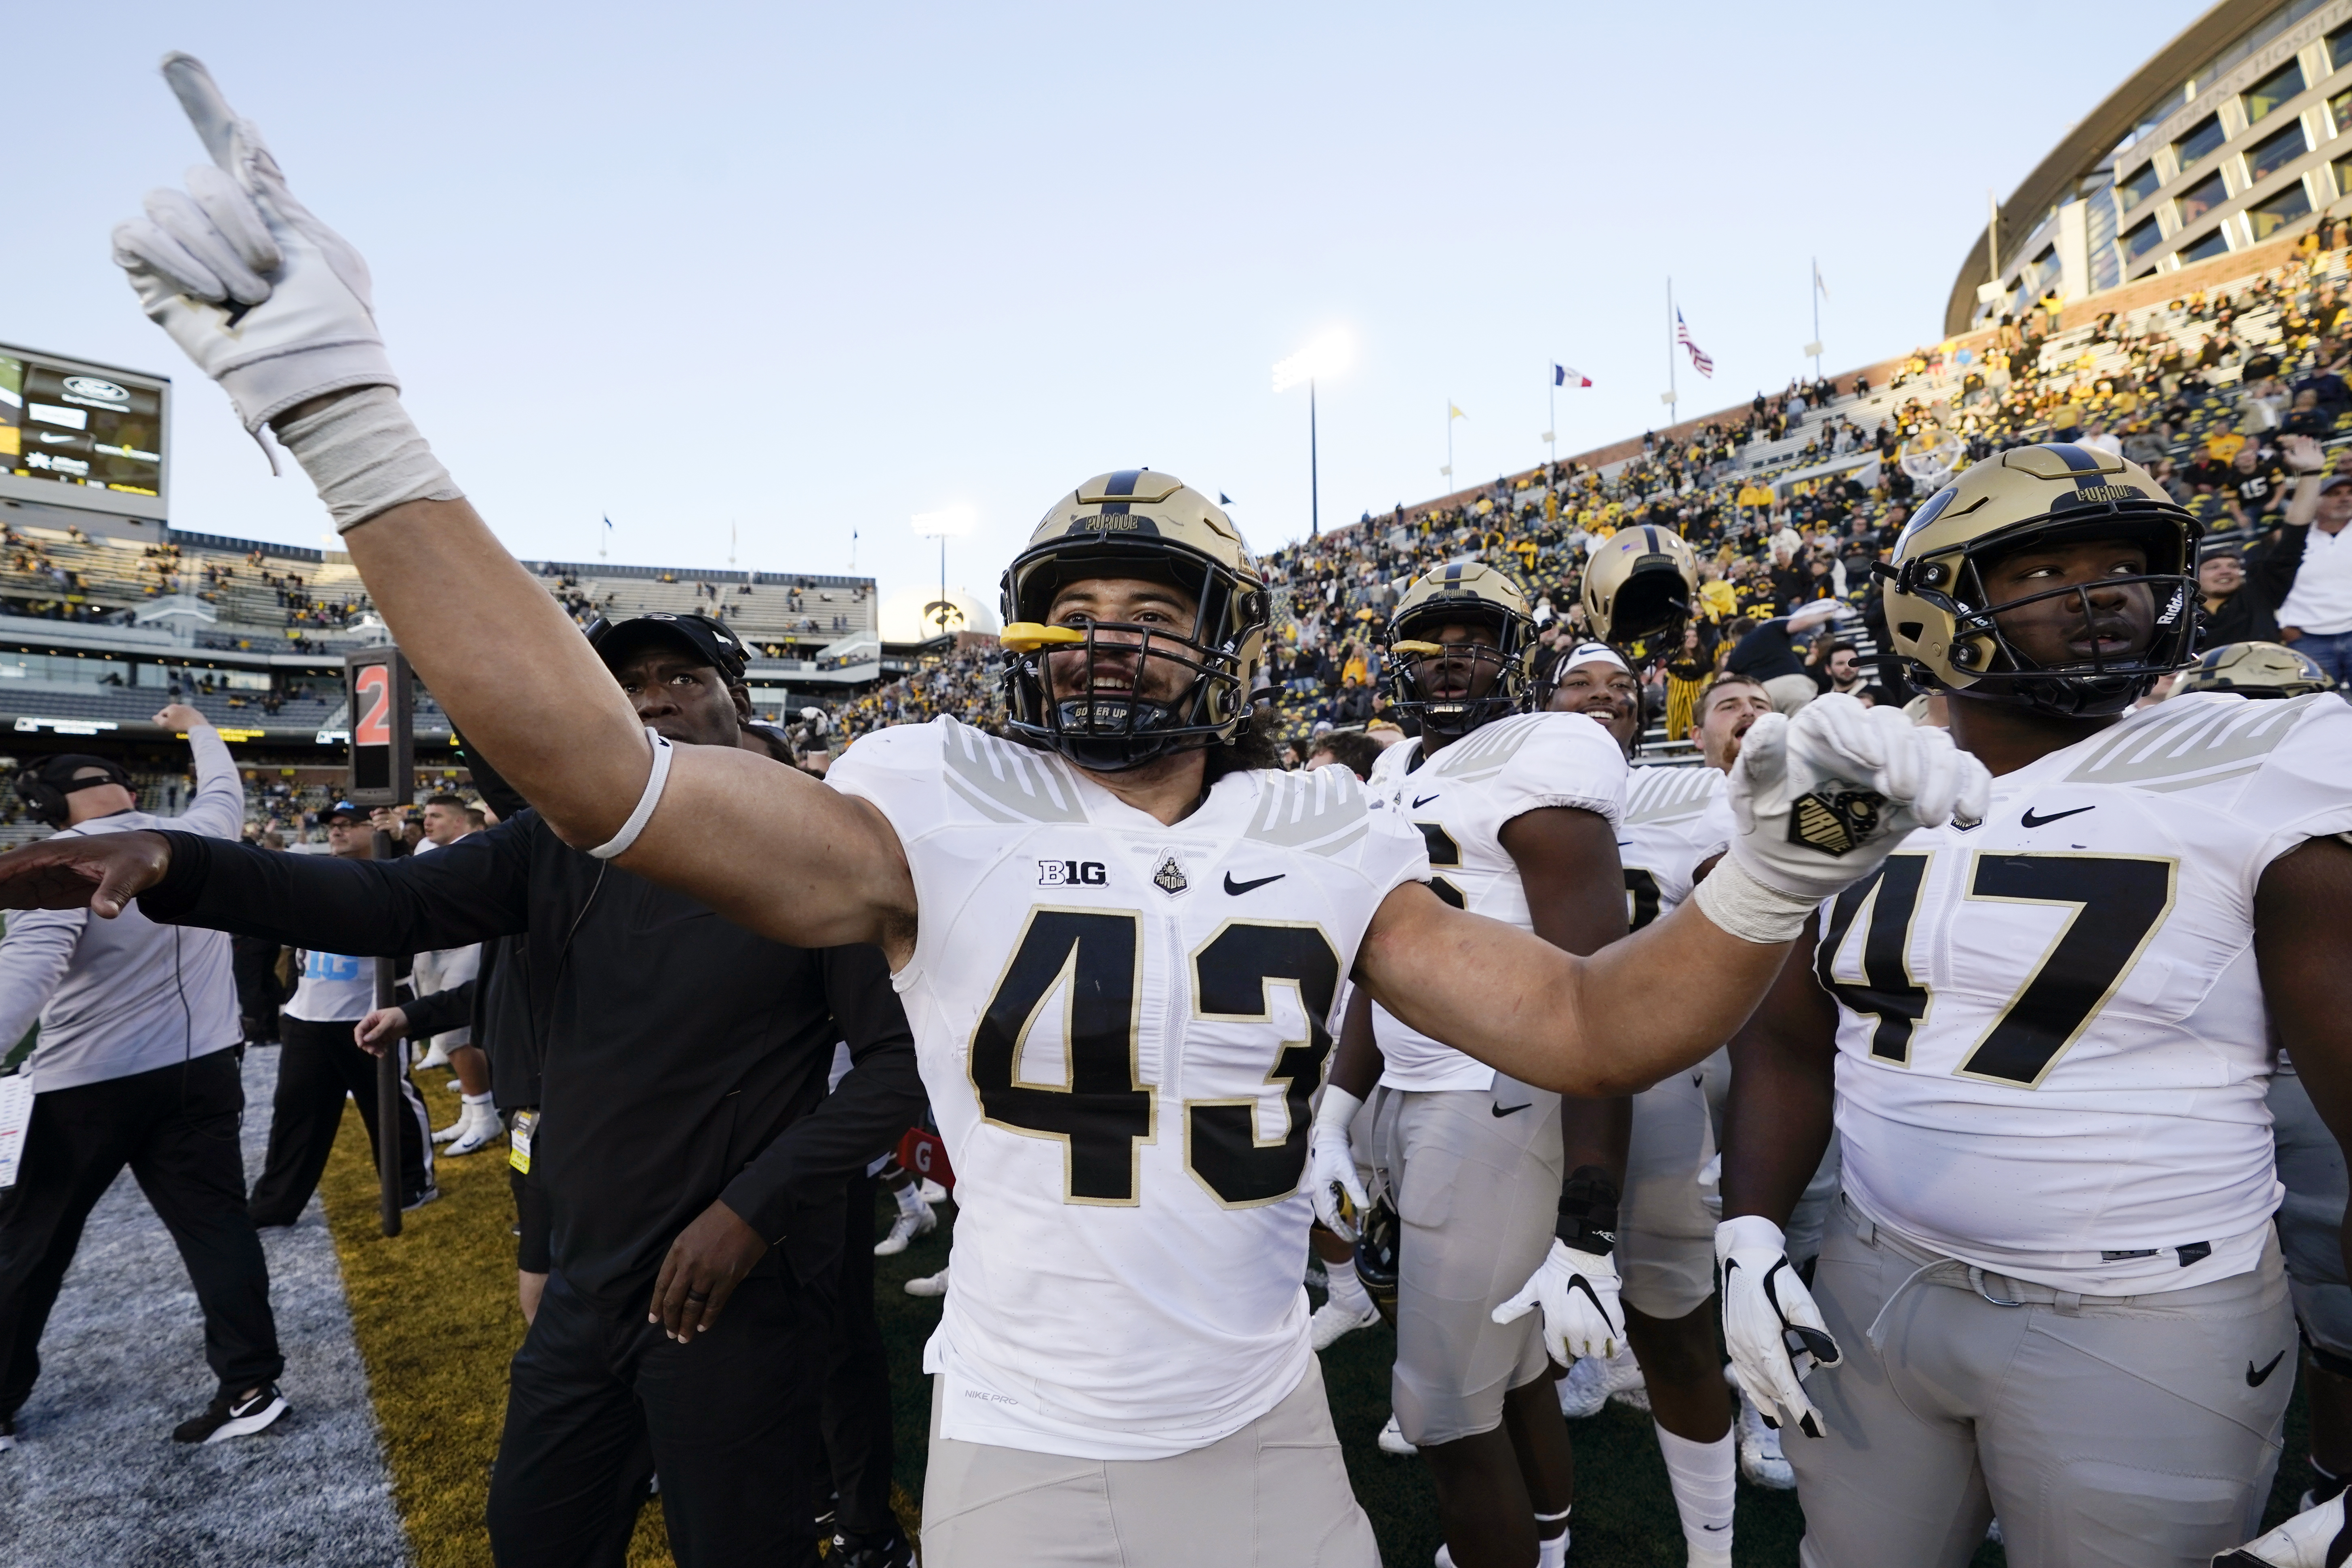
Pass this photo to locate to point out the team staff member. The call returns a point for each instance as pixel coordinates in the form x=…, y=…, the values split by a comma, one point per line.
x=135, y=1066
x=318, y=1063
x=686, y=1150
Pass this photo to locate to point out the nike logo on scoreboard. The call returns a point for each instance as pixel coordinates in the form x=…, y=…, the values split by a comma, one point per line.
x=2029, y=820
x=1235, y=890
x=2256, y=1379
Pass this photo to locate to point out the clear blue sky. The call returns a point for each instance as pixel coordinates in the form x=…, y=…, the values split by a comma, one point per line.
x=808, y=268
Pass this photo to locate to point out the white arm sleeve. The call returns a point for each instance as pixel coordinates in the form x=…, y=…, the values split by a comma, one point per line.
x=218, y=809
x=34, y=956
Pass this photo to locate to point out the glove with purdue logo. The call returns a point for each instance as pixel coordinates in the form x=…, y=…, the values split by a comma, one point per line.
x=1820, y=799
x=1765, y=1305
x=267, y=300
x=1331, y=1179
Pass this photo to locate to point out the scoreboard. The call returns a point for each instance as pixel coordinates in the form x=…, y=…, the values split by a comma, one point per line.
x=73, y=434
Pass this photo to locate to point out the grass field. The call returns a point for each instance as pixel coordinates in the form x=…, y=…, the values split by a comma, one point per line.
x=435, y=1318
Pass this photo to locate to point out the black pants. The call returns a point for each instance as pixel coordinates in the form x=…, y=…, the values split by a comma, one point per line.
x=317, y=1066
x=857, y=1422
x=730, y=1417
x=176, y=1128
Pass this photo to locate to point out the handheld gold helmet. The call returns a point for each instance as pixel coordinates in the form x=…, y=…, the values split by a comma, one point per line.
x=2255, y=670
x=1640, y=583
x=1948, y=634
x=1459, y=591
x=1141, y=525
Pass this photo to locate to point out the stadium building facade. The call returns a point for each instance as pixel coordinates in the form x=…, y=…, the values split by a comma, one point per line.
x=2228, y=136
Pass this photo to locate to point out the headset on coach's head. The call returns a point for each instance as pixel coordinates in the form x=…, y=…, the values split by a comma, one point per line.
x=43, y=787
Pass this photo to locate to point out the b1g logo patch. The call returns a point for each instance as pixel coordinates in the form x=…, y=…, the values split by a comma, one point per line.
x=1834, y=823
x=1072, y=874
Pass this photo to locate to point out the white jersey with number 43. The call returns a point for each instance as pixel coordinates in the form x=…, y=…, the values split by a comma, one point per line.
x=1120, y=1023
x=2052, y=1047
x=1459, y=801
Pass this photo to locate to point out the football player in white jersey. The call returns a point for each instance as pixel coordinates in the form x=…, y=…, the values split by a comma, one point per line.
x=2052, y=1289
x=1519, y=811
x=1118, y=940
x=1656, y=1142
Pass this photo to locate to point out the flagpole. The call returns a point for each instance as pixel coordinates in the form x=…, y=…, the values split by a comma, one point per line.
x=1816, y=292
x=1551, y=407
x=1314, y=469
x=1449, y=440
x=1674, y=404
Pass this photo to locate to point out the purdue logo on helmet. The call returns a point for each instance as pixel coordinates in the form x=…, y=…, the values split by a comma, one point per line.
x=1640, y=583
x=1133, y=523
x=1438, y=683
x=2255, y=670
x=1947, y=629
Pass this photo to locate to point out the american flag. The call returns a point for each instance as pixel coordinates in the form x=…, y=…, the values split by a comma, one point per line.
x=1699, y=361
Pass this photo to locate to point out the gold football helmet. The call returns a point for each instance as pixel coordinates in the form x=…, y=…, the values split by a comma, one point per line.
x=1136, y=523
x=1459, y=591
x=2255, y=670
x=1949, y=635
x=1640, y=583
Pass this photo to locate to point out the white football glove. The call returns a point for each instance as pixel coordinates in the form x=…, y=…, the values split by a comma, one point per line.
x=1764, y=1303
x=2318, y=1537
x=1820, y=799
x=1331, y=1179
x=267, y=300
x=1578, y=1293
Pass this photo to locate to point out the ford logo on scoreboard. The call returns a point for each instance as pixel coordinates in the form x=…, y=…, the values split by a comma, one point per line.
x=96, y=389
x=383, y=768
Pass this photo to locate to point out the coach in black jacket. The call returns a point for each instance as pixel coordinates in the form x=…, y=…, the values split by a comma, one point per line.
x=692, y=1162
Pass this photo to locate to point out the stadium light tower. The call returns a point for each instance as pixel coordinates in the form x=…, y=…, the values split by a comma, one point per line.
x=1327, y=353
x=949, y=522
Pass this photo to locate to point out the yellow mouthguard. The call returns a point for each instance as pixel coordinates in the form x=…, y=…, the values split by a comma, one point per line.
x=1417, y=649
x=1028, y=636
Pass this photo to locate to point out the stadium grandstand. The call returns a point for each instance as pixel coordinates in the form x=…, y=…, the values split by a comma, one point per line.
x=105, y=619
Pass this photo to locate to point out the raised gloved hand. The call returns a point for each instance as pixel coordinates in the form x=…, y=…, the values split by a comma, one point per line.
x=1818, y=800
x=267, y=300
x=1331, y=1180
x=1578, y=1293
x=1764, y=1304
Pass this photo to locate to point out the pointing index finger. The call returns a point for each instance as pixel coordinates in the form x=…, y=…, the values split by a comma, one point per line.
x=208, y=110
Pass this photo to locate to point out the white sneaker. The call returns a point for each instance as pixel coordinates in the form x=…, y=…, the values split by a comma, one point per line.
x=436, y=1058
x=1393, y=1439
x=476, y=1130
x=904, y=1229
x=1593, y=1380
x=928, y=1284
x=1761, y=1458
x=933, y=1194
x=1332, y=1322
x=2310, y=1540
x=454, y=1129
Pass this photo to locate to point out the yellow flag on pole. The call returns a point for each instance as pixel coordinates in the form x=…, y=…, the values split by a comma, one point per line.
x=1453, y=413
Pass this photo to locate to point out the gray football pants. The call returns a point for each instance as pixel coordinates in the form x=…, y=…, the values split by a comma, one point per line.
x=2104, y=1431
x=2311, y=1218
x=1273, y=1494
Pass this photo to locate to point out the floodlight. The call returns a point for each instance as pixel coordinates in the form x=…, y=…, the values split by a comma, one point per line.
x=948, y=523
x=1327, y=355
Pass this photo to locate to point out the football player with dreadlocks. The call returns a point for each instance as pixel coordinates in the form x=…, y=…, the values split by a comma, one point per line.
x=1119, y=936
x=1519, y=810
x=2053, y=1290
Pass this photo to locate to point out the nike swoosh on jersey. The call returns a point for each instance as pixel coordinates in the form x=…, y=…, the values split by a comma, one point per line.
x=2256, y=1379
x=1508, y=1109
x=2029, y=820
x=1235, y=890
x=1425, y=800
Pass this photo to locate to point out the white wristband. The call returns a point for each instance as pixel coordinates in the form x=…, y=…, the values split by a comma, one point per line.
x=365, y=456
x=1338, y=1110
x=620, y=842
x=1738, y=903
